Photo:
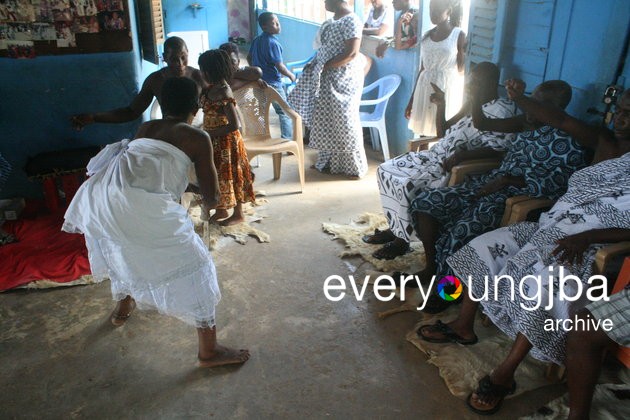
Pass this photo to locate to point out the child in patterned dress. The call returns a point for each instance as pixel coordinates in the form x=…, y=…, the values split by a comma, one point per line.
x=236, y=184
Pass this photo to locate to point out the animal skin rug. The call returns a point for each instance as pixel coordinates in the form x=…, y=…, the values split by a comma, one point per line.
x=461, y=367
x=610, y=402
x=364, y=225
x=212, y=233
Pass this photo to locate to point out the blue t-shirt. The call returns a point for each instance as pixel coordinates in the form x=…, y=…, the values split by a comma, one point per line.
x=265, y=52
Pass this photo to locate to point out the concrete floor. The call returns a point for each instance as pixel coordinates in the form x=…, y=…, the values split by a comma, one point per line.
x=311, y=358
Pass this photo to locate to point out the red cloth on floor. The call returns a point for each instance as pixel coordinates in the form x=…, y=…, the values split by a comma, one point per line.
x=43, y=252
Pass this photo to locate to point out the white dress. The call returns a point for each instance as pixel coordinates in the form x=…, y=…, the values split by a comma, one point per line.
x=439, y=60
x=139, y=236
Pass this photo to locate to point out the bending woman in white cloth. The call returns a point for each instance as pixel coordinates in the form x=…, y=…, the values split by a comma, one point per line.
x=140, y=237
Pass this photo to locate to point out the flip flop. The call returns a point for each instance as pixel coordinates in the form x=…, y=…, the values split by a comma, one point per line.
x=389, y=251
x=435, y=304
x=450, y=336
x=379, y=237
x=119, y=319
x=487, y=388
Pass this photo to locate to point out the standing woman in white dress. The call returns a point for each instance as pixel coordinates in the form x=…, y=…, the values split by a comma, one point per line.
x=137, y=233
x=442, y=52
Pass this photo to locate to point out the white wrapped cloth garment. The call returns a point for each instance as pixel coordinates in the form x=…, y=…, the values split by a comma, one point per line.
x=139, y=236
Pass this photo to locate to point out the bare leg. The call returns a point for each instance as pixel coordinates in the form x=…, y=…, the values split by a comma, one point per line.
x=123, y=311
x=585, y=350
x=428, y=233
x=503, y=375
x=237, y=216
x=212, y=354
x=220, y=214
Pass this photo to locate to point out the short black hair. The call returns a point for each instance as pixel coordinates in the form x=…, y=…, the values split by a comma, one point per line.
x=216, y=66
x=489, y=70
x=229, y=47
x=558, y=92
x=174, y=43
x=180, y=96
x=264, y=18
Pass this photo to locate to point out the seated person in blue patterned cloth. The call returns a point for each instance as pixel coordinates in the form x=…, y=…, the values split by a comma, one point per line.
x=402, y=178
x=594, y=211
x=537, y=164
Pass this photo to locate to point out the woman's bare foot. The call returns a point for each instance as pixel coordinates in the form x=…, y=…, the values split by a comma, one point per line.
x=123, y=310
x=224, y=356
x=220, y=214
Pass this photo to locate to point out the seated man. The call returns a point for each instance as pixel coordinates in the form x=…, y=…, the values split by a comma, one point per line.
x=538, y=164
x=595, y=210
x=585, y=349
x=401, y=179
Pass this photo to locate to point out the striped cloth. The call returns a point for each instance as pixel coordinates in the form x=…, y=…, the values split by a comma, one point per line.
x=617, y=309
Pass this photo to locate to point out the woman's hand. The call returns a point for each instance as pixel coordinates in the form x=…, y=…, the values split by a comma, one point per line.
x=380, y=50
x=437, y=97
x=81, y=120
x=493, y=186
x=571, y=248
x=515, y=88
x=409, y=108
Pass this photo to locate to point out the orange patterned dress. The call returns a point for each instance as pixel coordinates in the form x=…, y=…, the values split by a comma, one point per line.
x=236, y=183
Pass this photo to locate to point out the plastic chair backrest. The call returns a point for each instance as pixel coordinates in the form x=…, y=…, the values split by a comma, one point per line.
x=252, y=110
x=387, y=85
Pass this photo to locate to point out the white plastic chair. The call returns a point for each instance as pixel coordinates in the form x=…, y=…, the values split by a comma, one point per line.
x=253, y=107
x=386, y=85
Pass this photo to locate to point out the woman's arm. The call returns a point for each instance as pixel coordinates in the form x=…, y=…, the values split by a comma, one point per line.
x=483, y=123
x=350, y=51
x=129, y=113
x=585, y=134
x=206, y=171
x=571, y=248
x=461, y=51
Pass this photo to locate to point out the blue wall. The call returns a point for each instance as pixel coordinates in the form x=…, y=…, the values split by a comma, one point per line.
x=40, y=95
x=577, y=41
x=297, y=39
x=212, y=18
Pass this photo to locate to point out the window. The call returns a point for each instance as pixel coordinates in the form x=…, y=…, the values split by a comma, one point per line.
x=150, y=28
x=311, y=10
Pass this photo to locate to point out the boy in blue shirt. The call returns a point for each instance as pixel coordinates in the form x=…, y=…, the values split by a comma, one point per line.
x=266, y=53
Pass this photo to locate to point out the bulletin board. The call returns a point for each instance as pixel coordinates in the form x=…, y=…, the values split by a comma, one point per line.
x=30, y=28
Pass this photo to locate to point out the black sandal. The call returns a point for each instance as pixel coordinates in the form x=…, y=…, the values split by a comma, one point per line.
x=487, y=389
x=450, y=336
x=391, y=250
x=379, y=237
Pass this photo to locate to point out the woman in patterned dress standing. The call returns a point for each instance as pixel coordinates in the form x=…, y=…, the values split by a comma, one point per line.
x=328, y=94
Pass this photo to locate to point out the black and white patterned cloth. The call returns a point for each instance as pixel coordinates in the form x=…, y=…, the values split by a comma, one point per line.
x=598, y=197
x=328, y=101
x=402, y=178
